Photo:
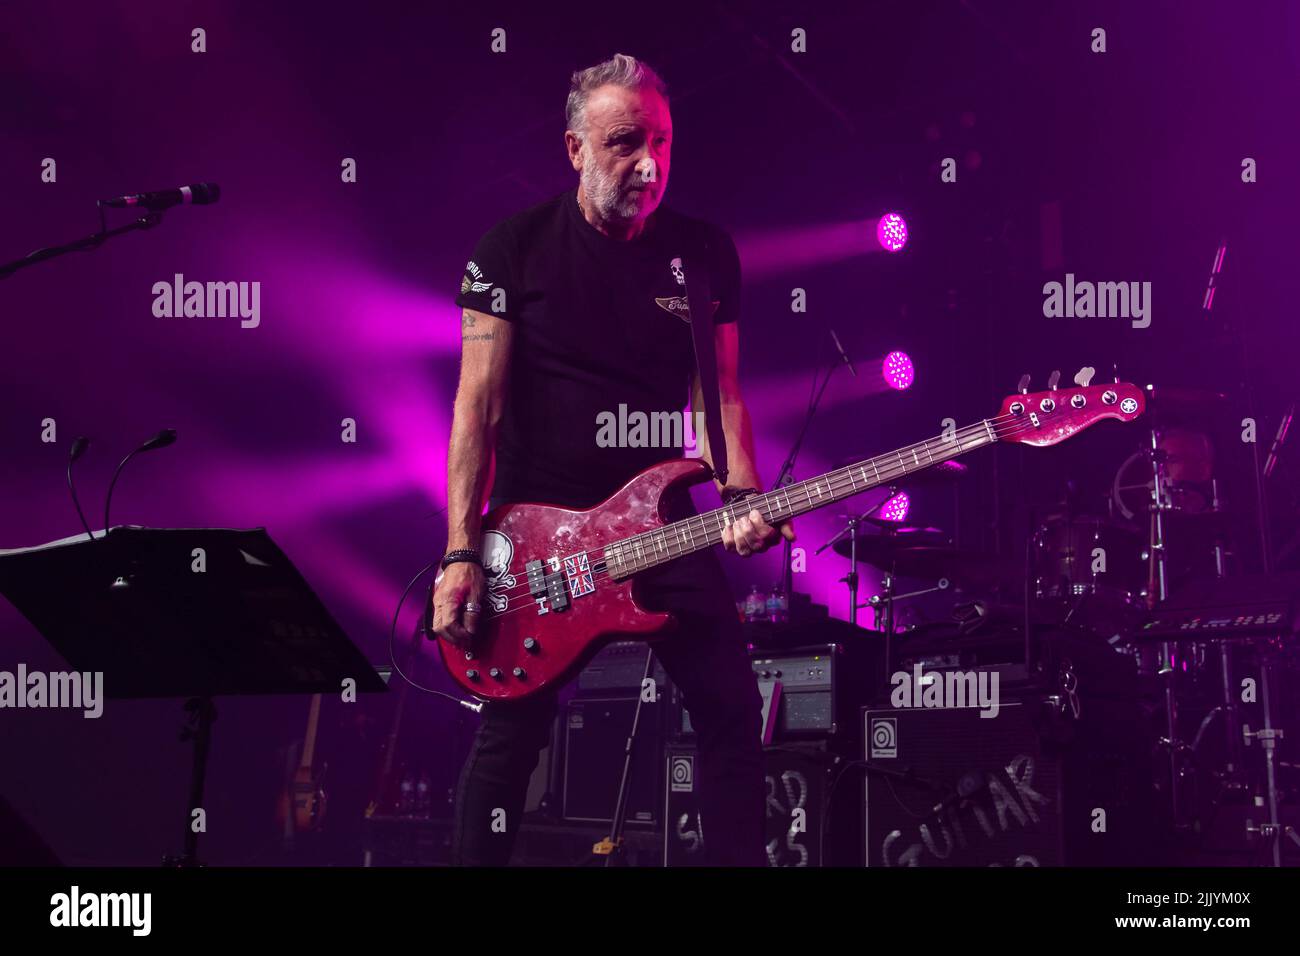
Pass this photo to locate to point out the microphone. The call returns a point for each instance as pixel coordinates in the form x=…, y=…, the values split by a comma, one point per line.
x=843, y=354
x=79, y=446
x=164, y=438
x=198, y=194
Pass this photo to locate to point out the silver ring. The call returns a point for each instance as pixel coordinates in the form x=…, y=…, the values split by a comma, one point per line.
x=472, y=608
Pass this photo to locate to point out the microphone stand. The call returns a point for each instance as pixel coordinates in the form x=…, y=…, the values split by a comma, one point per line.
x=91, y=242
x=786, y=475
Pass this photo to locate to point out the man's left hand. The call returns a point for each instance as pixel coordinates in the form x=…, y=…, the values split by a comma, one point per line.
x=751, y=534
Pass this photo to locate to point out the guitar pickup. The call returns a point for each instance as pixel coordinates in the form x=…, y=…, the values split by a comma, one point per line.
x=536, y=572
x=557, y=591
x=547, y=587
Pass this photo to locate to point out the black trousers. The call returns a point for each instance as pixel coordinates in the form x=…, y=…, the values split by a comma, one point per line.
x=706, y=658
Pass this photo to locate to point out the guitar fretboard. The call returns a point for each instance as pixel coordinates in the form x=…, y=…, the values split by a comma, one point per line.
x=680, y=538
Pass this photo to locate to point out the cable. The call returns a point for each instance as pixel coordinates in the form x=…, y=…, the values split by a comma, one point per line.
x=392, y=650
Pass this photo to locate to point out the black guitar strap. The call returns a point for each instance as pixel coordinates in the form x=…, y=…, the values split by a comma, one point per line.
x=699, y=304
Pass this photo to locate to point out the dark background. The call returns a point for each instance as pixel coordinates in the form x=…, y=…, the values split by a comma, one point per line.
x=1138, y=151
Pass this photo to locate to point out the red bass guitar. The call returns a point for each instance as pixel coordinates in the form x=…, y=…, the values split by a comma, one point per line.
x=559, y=581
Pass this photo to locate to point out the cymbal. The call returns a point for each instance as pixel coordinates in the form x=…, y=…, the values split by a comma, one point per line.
x=1185, y=396
x=893, y=527
x=884, y=544
x=922, y=556
x=1183, y=401
x=965, y=567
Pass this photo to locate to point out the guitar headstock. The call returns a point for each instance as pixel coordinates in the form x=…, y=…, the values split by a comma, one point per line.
x=1051, y=416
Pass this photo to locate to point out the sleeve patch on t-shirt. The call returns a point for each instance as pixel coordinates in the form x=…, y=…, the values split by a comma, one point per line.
x=474, y=280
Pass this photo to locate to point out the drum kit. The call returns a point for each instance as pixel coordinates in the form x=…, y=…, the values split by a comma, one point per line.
x=1105, y=575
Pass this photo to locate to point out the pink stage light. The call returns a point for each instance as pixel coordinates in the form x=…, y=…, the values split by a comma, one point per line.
x=897, y=370
x=891, y=232
x=895, y=509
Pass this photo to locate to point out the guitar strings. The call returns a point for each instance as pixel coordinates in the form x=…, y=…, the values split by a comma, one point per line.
x=528, y=601
x=704, y=522
x=1000, y=426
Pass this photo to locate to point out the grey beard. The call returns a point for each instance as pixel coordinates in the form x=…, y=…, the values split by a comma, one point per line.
x=604, y=196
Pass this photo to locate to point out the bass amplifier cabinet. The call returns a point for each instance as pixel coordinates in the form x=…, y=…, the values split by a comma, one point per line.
x=618, y=668
x=808, y=823
x=595, y=735
x=823, y=688
x=1027, y=787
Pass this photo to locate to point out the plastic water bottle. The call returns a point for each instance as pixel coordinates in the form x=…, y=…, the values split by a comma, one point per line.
x=422, y=796
x=774, y=604
x=755, y=605
x=406, y=801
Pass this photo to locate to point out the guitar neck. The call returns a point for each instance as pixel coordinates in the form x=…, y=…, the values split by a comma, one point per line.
x=680, y=538
x=309, y=739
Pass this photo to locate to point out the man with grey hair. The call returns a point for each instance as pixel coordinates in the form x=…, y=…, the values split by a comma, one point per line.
x=572, y=309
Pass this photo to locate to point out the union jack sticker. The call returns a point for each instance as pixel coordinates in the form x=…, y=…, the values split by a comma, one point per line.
x=578, y=573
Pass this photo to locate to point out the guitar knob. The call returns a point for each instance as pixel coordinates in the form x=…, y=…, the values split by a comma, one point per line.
x=495, y=673
x=530, y=645
x=472, y=674
x=519, y=672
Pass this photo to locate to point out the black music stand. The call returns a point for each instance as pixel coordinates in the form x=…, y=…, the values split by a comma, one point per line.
x=133, y=605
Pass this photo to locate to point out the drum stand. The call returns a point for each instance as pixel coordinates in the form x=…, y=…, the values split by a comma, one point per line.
x=1234, y=776
x=851, y=529
x=1157, y=593
x=1274, y=829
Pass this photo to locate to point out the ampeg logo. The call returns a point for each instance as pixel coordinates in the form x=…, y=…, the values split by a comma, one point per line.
x=884, y=737
x=681, y=774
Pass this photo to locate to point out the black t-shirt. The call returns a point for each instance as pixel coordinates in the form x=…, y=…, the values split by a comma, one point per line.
x=599, y=323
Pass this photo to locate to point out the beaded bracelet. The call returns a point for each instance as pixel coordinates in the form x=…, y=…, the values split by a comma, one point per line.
x=461, y=555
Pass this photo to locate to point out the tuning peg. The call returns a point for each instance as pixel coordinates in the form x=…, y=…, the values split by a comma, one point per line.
x=1054, y=379
x=1023, y=387
x=1115, y=370
x=1083, y=377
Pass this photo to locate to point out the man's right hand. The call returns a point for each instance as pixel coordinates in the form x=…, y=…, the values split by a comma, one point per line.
x=459, y=584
